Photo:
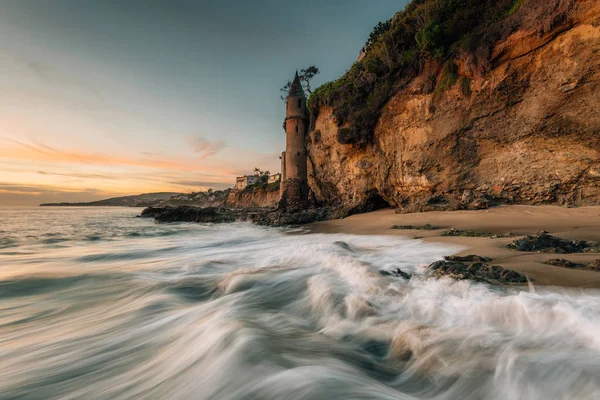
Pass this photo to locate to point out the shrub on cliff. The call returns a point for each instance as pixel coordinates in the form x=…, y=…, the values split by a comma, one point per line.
x=440, y=30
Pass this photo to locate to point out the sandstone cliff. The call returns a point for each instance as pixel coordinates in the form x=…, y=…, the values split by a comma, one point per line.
x=525, y=129
x=259, y=196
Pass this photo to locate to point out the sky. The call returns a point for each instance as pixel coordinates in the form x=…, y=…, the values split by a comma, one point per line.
x=102, y=98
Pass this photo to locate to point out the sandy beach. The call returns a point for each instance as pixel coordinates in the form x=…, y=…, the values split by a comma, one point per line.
x=568, y=223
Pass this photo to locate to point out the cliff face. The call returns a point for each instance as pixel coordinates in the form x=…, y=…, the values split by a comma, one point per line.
x=254, y=197
x=258, y=198
x=526, y=131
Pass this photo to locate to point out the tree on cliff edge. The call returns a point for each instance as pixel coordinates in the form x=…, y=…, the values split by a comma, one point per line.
x=305, y=75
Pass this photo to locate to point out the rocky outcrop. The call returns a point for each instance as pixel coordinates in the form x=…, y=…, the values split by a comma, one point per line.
x=282, y=217
x=397, y=273
x=259, y=216
x=477, y=271
x=259, y=197
x=561, y=262
x=545, y=243
x=594, y=265
x=193, y=214
x=525, y=131
x=211, y=198
x=294, y=198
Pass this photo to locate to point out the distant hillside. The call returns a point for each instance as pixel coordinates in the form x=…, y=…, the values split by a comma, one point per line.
x=140, y=200
x=254, y=196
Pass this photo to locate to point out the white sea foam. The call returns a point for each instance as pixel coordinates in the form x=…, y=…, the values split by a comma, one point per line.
x=242, y=312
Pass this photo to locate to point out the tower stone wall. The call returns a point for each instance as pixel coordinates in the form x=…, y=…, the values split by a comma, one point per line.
x=283, y=174
x=294, y=192
x=295, y=149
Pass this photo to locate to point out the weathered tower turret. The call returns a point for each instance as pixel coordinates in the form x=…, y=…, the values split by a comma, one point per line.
x=294, y=180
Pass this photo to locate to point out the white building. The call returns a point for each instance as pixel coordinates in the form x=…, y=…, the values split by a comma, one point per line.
x=242, y=182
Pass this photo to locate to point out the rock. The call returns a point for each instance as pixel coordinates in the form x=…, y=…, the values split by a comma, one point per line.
x=257, y=196
x=193, y=214
x=258, y=216
x=467, y=197
x=594, y=265
x=458, y=232
x=479, y=204
x=476, y=271
x=543, y=242
x=469, y=258
x=396, y=272
x=561, y=262
x=568, y=87
x=295, y=196
x=344, y=246
x=426, y=227
x=281, y=218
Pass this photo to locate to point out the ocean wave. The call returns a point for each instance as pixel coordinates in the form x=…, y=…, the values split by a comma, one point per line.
x=6, y=242
x=22, y=286
x=242, y=312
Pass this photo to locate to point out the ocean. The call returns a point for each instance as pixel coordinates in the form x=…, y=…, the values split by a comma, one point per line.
x=98, y=304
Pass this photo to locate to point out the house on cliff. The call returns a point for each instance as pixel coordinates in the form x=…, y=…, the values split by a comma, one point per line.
x=242, y=182
x=274, y=178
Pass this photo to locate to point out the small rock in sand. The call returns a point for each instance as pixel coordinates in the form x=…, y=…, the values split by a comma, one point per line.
x=469, y=258
x=543, y=242
x=594, y=265
x=561, y=262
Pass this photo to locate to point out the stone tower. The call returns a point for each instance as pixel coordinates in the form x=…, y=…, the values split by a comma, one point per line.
x=294, y=192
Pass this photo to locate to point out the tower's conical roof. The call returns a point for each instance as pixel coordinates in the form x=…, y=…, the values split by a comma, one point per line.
x=296, y=89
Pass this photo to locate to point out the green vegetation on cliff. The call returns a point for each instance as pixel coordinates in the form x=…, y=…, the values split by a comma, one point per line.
x=434, y=33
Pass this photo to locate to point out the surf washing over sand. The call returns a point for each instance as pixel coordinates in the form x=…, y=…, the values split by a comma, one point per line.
x=97, y=304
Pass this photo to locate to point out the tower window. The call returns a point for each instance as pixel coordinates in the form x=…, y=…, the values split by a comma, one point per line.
x=296, y=128
x=299, y=103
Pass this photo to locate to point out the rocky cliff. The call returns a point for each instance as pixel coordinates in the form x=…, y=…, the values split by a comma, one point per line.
x=258, y=196
x=516, y=123
x=254, y=197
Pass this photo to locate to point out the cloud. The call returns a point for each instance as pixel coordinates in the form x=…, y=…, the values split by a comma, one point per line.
x=22, y=195
x=78, y=175
x=206, y=147
x=7, y=188
x=40, y=151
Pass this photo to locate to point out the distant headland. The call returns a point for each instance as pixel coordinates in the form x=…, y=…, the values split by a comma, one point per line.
x=140, y=200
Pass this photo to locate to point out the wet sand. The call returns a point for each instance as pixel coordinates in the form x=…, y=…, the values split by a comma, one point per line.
x=569, y=223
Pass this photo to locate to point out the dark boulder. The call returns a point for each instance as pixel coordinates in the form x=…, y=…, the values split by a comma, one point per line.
x=561, y=262
x=470, y=258
x=193, y=214
x=285, y=218
x=426, y=227
x=476, y=271
x=266, y=217
x=396, y=272
x=458, y=232
x=543, y=242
